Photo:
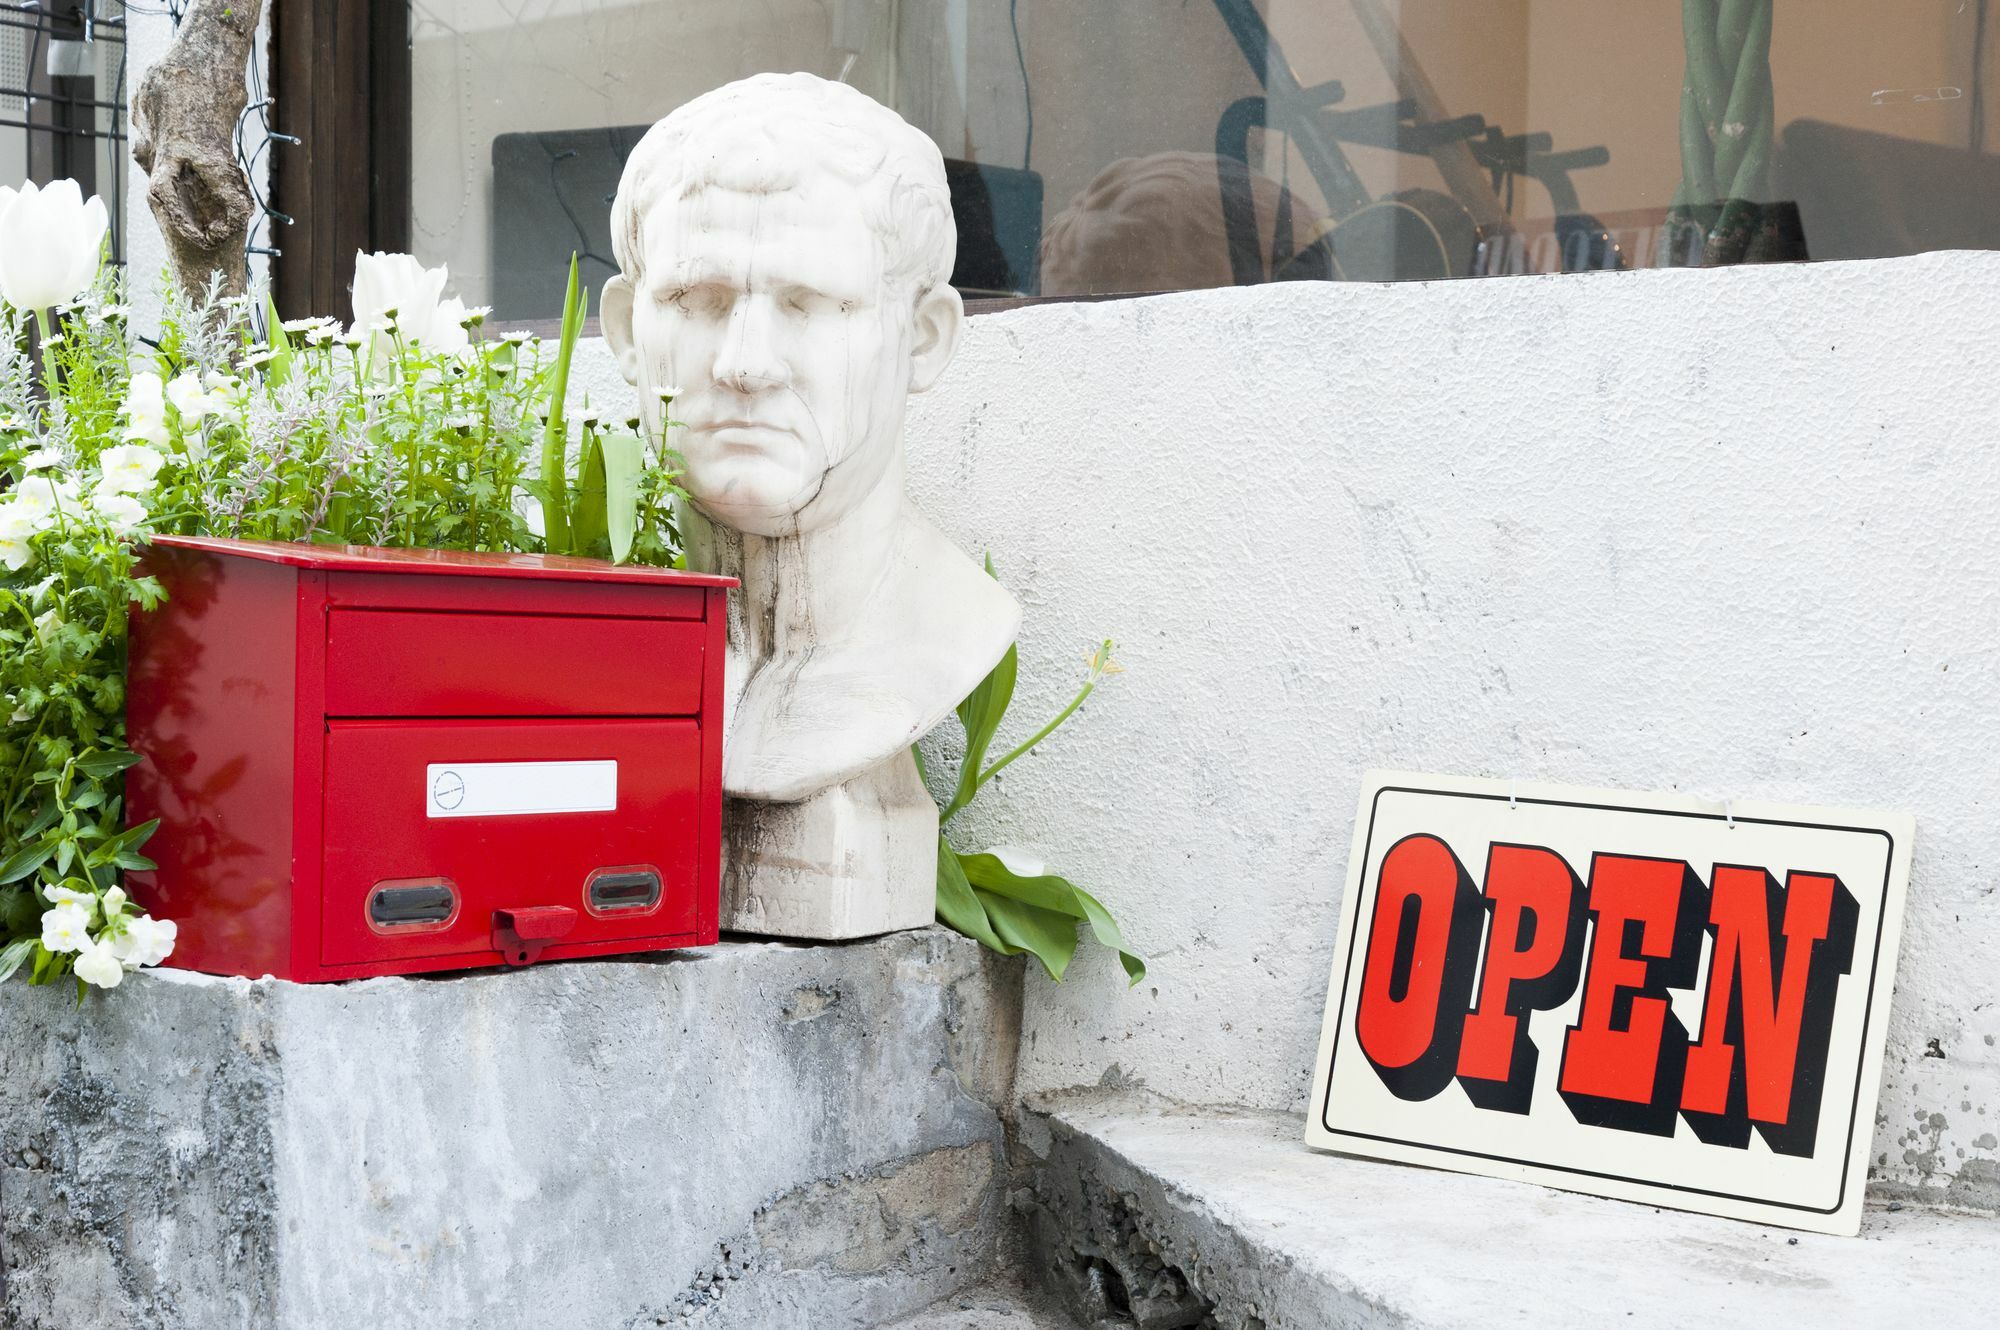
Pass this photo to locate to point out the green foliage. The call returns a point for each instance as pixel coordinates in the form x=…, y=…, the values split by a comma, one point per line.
x=979, y=895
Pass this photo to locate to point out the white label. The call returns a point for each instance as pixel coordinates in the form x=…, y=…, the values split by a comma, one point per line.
x=512, y=789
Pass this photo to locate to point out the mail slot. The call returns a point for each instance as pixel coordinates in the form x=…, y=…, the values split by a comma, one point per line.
x=374, y=762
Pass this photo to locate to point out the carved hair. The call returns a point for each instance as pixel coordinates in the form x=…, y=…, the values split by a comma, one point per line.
x=759, y=135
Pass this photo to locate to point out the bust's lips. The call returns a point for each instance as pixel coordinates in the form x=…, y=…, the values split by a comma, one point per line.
x=749, y=435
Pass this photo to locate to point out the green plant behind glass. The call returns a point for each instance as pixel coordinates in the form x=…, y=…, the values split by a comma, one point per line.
x=977, y=894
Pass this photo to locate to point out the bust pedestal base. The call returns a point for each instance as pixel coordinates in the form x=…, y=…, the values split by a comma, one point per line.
x=852, y=861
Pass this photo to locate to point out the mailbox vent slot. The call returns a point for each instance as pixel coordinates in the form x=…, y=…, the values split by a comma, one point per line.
x=622, y=890
x=412, y=905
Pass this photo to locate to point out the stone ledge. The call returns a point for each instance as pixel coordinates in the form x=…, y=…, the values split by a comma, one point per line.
x=1147, y=1213
x=755, y=1135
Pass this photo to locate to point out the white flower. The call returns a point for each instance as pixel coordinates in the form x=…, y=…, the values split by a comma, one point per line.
x=322, y=334
x=83, y=900
x=145, y=941
x=111, y=312
x=129, y=468
x=122, y=512
x=587, y=417
x=398, y=286
x=476, y=315
x=1019, y=861
x=39, y=498
x=258, y=359
x=146, y=409
x=51, y=242
x=114, y=901
x=97, y=963
x=65, y=928
x=42, y=459
x=188, y=398
x=17, y=527
x=517, y=337
x=447, y=331
x=308, y=324
x=667, y=394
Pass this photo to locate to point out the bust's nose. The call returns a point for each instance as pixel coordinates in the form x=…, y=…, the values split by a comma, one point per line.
x=747, y=357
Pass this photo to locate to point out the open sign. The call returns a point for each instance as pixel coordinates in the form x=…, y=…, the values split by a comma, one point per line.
x=1643, y=996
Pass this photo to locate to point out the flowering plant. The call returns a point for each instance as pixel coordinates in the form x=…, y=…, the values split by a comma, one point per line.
x=406, y=427
x=1004, y=897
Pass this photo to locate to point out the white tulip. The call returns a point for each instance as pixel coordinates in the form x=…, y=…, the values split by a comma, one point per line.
x=1019, y=861
x=65, y=928
x=396, y=290
x=98, y=964
x=129, y=468
x=123, y=513
x=51, y=243
x=145, y=941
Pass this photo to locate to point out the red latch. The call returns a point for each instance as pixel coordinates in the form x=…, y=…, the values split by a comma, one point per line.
x=520, y=935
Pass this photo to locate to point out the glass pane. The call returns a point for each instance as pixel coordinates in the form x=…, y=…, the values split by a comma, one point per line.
x=1136, y=145
x=62, y=100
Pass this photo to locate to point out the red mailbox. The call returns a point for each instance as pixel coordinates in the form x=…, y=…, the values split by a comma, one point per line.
x=385, y=761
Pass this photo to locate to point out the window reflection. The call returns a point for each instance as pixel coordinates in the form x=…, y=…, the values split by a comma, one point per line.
x=1136, y=145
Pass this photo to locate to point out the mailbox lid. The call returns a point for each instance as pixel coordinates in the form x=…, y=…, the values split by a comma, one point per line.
x=383, y=662
x=510, y=815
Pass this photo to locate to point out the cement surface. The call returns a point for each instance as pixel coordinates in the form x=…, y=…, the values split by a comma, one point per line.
x=756, y=1136
x=1266, y=1233
x=996, y=1306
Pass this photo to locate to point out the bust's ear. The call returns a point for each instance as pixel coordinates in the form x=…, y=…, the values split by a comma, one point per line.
x=614, y=317
x=940, y=320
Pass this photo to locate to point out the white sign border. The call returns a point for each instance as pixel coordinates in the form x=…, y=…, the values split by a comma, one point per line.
x=1844, y=1217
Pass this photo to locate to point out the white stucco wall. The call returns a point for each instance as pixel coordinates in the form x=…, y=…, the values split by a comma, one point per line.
x=1728, y=532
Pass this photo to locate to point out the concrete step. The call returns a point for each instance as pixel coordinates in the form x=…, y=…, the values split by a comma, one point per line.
x=755, y=1136
x=995, y=1306
x=1159, y=1216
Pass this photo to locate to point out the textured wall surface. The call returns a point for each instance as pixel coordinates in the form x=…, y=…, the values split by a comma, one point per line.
x=1725, y=532
x=755, y=1136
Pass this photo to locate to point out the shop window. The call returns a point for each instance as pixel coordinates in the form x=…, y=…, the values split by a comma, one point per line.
x=1123, y=146
x=62, y=99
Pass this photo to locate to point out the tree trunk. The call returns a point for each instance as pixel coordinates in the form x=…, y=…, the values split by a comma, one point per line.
x=184, y=138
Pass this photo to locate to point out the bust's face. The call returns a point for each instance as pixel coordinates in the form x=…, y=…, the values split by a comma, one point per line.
x=794, y=362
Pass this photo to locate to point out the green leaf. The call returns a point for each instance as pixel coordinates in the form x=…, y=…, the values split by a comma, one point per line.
x=279, y=367
x=26, y=860
x=1050, y=935
x=958, y=907
x=986, y=873
x=555, y=434
x=623, y=457
x=99, y=765
x=586, y=520
x=980, y=714
x=15, y=953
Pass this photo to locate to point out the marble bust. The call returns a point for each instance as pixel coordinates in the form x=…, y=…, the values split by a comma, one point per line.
x=784, y=247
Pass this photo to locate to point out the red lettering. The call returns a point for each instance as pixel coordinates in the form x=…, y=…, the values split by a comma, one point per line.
x=1417, y=975
x=1622, y=1060
x=1764, y=978
x=1534, y=949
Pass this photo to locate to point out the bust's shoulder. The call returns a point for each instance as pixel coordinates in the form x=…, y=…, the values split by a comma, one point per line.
x=941, y=593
